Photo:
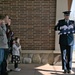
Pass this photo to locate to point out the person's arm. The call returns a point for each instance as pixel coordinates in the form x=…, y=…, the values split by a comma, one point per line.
x=16, y=47
x=57, y=27
x=74, y=25
x=1, y=32
x=2, y=29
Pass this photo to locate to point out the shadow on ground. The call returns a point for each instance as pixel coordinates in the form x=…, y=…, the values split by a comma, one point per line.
x=38, y=69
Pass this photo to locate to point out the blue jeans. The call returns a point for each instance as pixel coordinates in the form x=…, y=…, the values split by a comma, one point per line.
x=1, y=57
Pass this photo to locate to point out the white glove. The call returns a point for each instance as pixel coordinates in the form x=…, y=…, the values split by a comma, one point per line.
x=71, y=26
x=64, y=27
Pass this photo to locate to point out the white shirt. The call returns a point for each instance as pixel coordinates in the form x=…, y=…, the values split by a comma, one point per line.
x=16, y=50
x=67, y=22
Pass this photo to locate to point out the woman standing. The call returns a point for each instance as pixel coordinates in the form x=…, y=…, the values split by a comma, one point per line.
x=3, y=46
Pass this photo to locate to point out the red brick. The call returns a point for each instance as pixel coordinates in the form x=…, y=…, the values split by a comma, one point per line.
x=31, y=21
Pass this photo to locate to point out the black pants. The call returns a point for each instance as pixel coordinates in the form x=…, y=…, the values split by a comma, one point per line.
x=16, y=60
x=66, y=54
x=15, y=65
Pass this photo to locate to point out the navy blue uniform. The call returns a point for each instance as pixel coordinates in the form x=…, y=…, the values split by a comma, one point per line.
x=66, y=42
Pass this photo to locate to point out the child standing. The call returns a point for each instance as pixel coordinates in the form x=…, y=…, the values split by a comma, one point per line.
x=16, y=53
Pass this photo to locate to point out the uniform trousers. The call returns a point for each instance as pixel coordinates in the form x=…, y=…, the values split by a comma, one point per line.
x=66, y=55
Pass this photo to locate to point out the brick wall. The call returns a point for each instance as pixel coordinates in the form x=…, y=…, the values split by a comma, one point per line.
x=32, y=20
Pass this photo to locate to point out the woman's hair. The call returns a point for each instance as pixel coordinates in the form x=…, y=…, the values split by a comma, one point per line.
x=16, y=38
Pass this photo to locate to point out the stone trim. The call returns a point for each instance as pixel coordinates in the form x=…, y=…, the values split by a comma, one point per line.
x=37, y=56
x=37, y=51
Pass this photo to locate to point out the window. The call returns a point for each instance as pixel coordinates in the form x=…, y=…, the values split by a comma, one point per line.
x=72, y=15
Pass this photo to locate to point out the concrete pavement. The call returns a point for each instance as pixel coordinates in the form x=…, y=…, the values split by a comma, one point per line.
x=38, y=69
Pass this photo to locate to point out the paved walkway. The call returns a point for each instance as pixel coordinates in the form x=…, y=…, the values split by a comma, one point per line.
x=38, y=69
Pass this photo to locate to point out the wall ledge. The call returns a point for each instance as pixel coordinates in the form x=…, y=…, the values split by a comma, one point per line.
x=37, y=51
x=56, y=52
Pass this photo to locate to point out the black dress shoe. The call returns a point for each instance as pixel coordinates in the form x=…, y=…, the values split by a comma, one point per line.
x=65, y=71
x=69, y=71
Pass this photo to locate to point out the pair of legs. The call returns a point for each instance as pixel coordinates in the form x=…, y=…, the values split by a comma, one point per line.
x=66, y=54
x=1, y=59
x=16, y=60
x=6, y=55
x=3, y=63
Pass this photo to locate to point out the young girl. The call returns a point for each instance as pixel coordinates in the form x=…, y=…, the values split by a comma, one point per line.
x=16, y=53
